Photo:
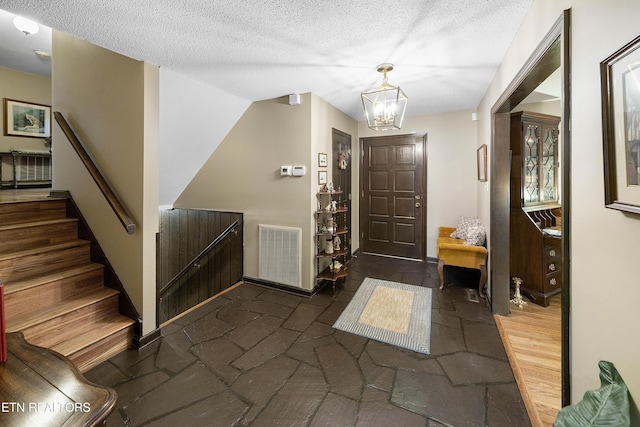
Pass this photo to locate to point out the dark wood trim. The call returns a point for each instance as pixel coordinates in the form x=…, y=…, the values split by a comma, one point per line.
x=566, y=206
x=140, y=342
x=272, y=285
x=499, y=218
x=101, y=182
x=111, y=280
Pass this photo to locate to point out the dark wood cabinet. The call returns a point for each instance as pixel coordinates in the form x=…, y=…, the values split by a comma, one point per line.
x=535, y=220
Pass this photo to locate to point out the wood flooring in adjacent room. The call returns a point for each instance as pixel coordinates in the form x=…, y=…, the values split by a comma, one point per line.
x=532, y=339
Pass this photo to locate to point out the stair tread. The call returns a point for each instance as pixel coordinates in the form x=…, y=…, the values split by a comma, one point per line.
x=99, y=331
x=35, y=317
x=20, y=285
x=41, y=249
x=29, y=224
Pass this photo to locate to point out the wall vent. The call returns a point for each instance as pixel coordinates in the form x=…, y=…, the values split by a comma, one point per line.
x=33, y=168
x=280, y=254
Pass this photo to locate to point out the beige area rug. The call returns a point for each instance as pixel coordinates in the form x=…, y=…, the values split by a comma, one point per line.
x=390, y=312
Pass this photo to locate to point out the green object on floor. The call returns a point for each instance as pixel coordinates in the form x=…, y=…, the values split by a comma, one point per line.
x=606, y=406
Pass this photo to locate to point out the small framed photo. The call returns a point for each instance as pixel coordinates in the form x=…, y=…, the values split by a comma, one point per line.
x=26, y=119
x=620, y=86
x=482, y=163
x=322, y=160
x=322, y=177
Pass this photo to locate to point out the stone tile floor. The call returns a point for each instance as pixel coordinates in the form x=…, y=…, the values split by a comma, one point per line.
x=261, y=357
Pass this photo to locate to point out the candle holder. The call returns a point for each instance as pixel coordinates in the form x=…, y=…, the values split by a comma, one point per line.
x=517, y=297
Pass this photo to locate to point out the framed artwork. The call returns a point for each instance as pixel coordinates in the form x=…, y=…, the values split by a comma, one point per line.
x=26, y=119
x=322, y=177
x=322, y=160
x=620, y=86
x=482, y=163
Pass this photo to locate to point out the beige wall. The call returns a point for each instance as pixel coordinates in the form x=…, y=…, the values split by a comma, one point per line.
x=243, y=174
x=111, y=103
x=604, y=266
x=26, y=87
x=451, y=167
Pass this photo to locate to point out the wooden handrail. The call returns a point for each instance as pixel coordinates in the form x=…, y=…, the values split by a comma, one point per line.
x=103, y=185
x=198, y=257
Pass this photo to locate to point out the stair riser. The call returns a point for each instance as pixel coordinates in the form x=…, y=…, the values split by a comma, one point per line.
x=58, y=329
x=102, y=350
x=31, y=265
x=51, y=293
x=32, y=211
x=42, y=235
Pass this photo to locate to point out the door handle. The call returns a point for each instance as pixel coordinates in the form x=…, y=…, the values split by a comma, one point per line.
x=417, y=204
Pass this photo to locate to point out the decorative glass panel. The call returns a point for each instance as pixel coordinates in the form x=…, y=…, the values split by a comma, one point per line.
x=549, y=165
x=530, y=185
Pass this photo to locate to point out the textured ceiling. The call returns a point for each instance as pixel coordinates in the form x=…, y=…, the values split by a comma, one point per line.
x=445, y=52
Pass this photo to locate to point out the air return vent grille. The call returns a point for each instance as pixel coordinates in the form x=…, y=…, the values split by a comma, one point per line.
x=280, y=254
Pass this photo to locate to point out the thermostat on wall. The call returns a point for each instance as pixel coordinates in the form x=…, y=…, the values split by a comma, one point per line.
x=299, y=170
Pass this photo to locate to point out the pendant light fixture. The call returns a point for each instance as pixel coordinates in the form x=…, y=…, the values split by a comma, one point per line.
x=385, y=105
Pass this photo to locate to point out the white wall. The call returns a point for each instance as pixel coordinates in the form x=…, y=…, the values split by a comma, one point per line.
x=604, y=262
x=451, y=167
x=194, y=119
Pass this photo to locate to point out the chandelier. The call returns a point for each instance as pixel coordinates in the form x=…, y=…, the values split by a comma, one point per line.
x=385, y=105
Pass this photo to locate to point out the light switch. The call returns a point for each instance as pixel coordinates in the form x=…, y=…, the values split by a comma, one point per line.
x=285, y=170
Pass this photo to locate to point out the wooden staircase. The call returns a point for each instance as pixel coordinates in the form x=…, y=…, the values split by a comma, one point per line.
x=54, y=293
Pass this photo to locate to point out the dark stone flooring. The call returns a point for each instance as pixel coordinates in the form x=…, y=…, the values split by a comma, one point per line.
x=260, y=357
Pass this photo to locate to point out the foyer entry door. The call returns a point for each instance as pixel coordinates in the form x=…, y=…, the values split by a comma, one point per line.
x=392, y=197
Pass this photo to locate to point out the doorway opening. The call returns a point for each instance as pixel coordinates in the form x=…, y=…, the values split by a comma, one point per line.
x=552, y=54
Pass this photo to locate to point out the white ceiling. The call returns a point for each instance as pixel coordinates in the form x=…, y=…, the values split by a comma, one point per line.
x=445, y=52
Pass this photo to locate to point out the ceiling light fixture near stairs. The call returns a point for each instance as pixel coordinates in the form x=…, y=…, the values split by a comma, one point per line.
x=385, y=105
x=25, y=25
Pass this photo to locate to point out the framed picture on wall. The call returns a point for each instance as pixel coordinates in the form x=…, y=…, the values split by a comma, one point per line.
x=322, y=177
x=482, y=163
x=620, y=86
x=322, y=160
x=26, y=119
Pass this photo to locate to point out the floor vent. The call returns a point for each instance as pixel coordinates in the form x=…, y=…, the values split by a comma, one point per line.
x=472, y=296
x=280, y=254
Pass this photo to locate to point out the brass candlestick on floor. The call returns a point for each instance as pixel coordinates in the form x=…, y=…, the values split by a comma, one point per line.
x=517, y=297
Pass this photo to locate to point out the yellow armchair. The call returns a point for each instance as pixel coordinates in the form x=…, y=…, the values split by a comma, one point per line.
x=454, y=252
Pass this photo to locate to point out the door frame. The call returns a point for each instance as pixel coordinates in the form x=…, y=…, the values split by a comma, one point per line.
x=553, y=51
x=361, y=217
x=347, y=192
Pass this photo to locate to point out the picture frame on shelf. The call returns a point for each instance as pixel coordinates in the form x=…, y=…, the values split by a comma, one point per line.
x=322, y=177
x=26, y=119
x=482, y=163
x=620, y=89
x=322, y=160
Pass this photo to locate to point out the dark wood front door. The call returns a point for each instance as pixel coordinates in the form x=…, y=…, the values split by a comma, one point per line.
x=392, y=200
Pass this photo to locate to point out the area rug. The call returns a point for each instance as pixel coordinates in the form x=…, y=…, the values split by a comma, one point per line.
x=390, y=312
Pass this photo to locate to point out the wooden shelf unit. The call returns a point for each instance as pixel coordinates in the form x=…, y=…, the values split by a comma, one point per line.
x=331, y=228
